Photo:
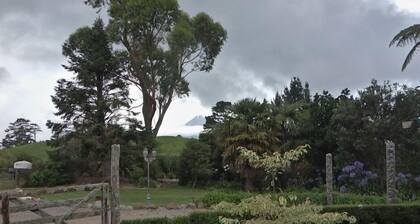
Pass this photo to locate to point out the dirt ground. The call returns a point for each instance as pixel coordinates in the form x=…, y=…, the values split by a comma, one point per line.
x=138, y=214
x=125, y=214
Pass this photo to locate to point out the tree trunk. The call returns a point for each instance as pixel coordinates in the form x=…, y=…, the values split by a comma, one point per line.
x=249, y=179
x=148, y=109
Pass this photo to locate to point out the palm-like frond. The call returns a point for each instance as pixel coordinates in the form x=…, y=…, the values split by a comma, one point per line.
x=406, y=36
x=410, y=55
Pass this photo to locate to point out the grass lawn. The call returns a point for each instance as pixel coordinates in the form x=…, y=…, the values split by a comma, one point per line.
x=136, y=196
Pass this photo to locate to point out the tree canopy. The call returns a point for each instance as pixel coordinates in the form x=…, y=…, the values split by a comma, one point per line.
x=20, y=132
x=161, y=46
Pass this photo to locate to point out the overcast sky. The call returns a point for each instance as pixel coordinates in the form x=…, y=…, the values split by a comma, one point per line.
x=332, y=44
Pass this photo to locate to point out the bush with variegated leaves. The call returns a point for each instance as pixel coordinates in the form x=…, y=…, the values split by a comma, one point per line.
x=262, y=209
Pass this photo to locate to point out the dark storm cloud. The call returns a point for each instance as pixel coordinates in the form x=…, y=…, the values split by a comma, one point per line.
x=33, y=31
x=332, y=44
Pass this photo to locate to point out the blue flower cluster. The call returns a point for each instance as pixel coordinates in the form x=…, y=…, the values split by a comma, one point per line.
x=408, y=185
x=355, y=176
x=405, y=178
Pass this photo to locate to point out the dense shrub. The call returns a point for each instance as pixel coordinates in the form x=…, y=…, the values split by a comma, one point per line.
x=215, y=197
x=169, y=165
x=136, y=174
x=408, y=186
x=383, y=214
x=196, y=165
x=194, y=218
x=49, y=174
x=319, y=198
x=263, y=209
x=355, y=177
x=368, y=214
x=142, y=182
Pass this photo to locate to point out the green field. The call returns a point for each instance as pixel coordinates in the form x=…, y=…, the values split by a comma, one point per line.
x=37, y=152
x=171, y=145
x=137, y=196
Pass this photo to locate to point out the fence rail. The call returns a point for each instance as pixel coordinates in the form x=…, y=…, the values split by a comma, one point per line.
x=104, y=189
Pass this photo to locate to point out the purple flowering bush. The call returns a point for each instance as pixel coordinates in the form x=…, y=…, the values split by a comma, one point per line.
x=355, y=177
x=408, y=185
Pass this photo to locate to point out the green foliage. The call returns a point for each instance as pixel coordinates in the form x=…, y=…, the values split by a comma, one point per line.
x=136, y=174
x=249, y=126
x=170, y=145
x=319, y=198
x=194, y=218
x=274, y=164
x=263, y=209
x=20, y=132
x=49, y=174
x=196, y=166
x=161, y=46
x=170, y=166
x=409, y=35
x=142, y=182
x=384, y=214
x=381, y=213
x=352, y=128
x=35, y=153
x=215, y=197
x=90, y=102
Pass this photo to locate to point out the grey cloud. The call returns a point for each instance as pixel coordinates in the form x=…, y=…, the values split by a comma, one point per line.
x=33, y=31
x=210, y=88
x=332, y=44
x=4, y=75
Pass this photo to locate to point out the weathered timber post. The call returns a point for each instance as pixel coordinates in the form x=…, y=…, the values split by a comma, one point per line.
x=329, y=178
x=104, y=204
x=17, y=176
x=5, y=208
x=115, y=184
x=391, y=191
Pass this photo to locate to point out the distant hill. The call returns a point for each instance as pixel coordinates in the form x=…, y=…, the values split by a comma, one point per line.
x=171, y=145
x=196, y=121
x=37, y=152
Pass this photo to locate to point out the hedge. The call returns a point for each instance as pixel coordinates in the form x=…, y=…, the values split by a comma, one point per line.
x=193, y=218
x=381, y=213
x=365, y=214
x=319, y=198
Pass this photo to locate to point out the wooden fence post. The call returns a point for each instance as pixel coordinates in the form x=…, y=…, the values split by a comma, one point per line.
x=329, y=178
x=5, y=208
x=391, y=191
x=115, y=184
x=104, y=204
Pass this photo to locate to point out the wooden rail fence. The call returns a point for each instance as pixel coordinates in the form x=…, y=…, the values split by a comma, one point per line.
x=104, y=190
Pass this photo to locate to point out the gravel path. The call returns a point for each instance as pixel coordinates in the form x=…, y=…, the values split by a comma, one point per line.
x=139, y=214
x=125, y=214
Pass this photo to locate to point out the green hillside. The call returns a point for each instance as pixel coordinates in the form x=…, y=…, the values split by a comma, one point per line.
x=36, y=152
x=171, y=145
x=167, y=146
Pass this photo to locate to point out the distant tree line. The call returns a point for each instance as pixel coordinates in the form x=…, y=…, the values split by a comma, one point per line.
x=20, y=132
x=351, y=127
